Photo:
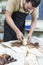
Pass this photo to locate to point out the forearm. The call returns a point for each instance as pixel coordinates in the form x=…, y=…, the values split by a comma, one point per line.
x=33, y=25
x=11, y=23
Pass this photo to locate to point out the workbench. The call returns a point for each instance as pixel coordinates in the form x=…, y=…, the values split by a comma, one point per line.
x=39, y=57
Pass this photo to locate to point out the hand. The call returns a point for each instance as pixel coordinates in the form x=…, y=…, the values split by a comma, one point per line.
x=29, y=38
x=20, y=36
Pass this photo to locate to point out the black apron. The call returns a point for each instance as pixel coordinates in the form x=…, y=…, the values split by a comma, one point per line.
x=19, y=20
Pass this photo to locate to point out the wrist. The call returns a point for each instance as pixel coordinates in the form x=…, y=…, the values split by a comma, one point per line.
x=18, y=31
x=30, y=33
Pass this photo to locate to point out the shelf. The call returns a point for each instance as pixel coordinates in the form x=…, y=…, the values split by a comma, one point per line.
x=36, y=30
x=1, y=31
x=3, y=0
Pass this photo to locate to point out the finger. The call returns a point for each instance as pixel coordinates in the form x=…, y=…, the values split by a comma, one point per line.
x=18, y=38
x=21, y=38
x=28, y=41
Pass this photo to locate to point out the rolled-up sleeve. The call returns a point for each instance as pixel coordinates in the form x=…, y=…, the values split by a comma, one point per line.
x=11, y=5
x=34, y=14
